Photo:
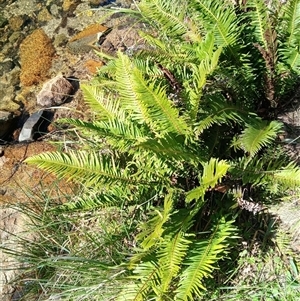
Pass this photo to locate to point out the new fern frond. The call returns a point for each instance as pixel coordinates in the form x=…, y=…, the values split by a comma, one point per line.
x=213, y=171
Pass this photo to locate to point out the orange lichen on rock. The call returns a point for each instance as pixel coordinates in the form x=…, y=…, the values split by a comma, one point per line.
x=92, y=66
x=36, y=54
x=90, y=30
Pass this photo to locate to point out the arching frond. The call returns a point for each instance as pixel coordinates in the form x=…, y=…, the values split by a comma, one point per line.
x=260, y=22
x=208, y=61
x=88, y=168
x=147, y=103
x=287, y=36
x=103, y=105
x=289, y=176
x=168, y=16
x=291, y=57
x=171, y=254
x=219, y=18
x=91, y=200
x=258, y=135
x=203, y=260
x=171, y=147
x=119, y=134
x=218, y=111
x=291, y=23
x=140, y=289
x=273, y=171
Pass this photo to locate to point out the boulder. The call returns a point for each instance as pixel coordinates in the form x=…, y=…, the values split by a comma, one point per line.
x=55, y=92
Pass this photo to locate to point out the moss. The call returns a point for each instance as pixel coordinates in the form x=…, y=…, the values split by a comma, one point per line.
x=36, y=54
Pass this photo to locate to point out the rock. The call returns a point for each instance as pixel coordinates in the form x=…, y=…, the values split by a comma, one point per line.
x=16, y=22
x=70, y=4
x=7, y=91
x=16, y=37
x=115, y=39
x=27, y=97
x=5, y=66
x=36, y=54
x=55, y=92
x=5, y=116
x=54, y=10
x=44, y=15
x=7, y=96
x=97, y=2
x=3, y=21
x=29, y=127
x=60, y=40
x=87, y=39
x=93, y=65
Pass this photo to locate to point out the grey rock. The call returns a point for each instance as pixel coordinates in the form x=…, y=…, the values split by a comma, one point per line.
x=5, y=66
x=3, y=21
x=54, y=10
x=55, y=92
x=60, y=40
x=30, y=126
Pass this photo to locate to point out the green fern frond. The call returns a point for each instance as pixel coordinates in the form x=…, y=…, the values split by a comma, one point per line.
x=291, y=20
x=258, y=135
x=169, y=55
x=140, y=288
x=289, y=36
x=170, y=147
x=104, y=106
x=218, y=111
x=289, y=176
x=260, y=21
x=91, y=200
x=203, y=260
x=122, y=135
x=219, y=18
x=271, y=171
x=171, y=254
x=213, y=171
x=147, y=103
x=168, y=16
x=88, y=168
x=208, y=62
x=291, y=57
x=153, y=229
x=147, y=65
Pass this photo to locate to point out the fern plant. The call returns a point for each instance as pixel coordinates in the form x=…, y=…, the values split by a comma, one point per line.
x=173, y=125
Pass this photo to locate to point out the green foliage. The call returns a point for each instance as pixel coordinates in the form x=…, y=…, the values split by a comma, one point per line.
x=177, y=127
x=258, y=135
